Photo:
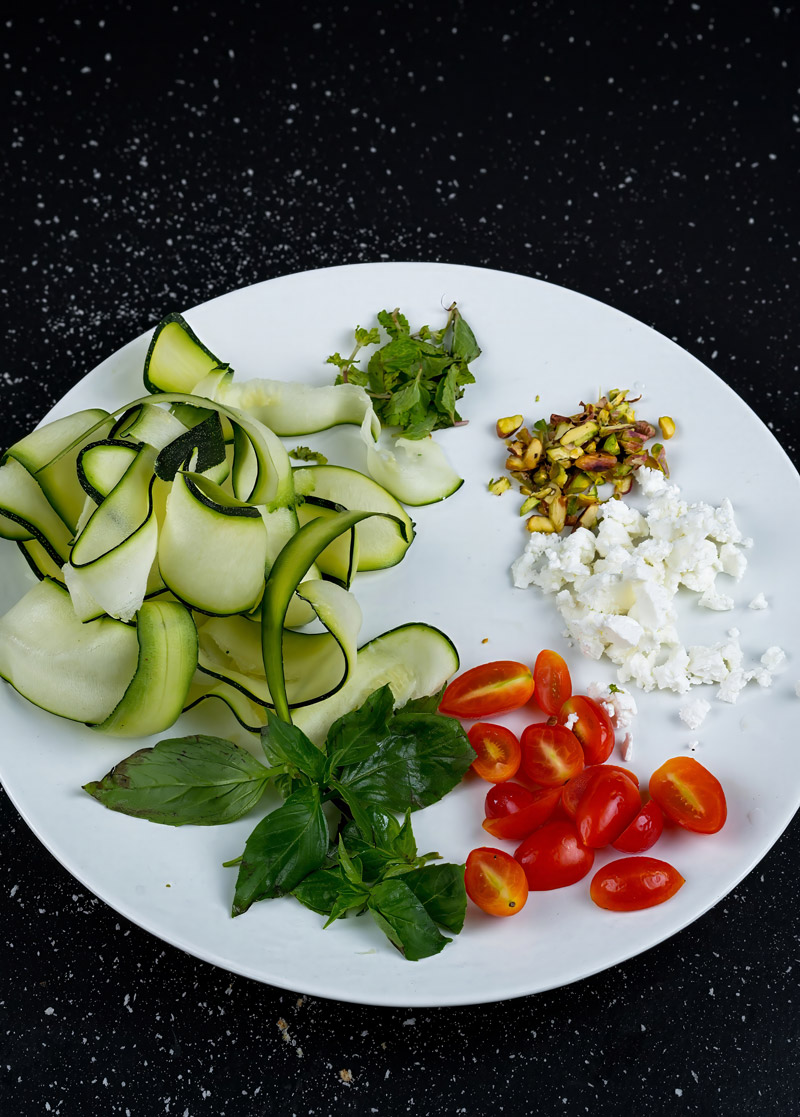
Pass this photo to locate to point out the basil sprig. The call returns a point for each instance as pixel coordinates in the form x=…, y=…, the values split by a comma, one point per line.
x=377, y=761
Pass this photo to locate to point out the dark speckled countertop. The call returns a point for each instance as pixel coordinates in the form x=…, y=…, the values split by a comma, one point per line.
x=644, y=154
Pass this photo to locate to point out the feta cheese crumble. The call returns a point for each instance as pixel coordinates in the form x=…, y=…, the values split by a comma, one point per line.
x=758, y=602
x=616, y=590
x=693, y=713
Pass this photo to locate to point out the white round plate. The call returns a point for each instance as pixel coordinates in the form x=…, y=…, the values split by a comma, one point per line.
x=544, y=349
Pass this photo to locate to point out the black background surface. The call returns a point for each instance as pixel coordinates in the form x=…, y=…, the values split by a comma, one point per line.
x=644, y=154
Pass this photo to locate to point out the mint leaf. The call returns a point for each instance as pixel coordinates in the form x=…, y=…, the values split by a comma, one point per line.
x=201, y=781
x=285, y=847
x=465, y=347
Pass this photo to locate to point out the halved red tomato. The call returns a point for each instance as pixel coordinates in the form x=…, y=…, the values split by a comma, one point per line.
x=498, y=751
x=489, y=689
x=554, y=856
x=551, y=754
x=610, y=802
x=593, y=727
x=520, y=824
x=632, y=883
x=574, y=788
x=551, y=681
x=495, y=881
x=689, y=795
x=506, y=798
x=643, y=832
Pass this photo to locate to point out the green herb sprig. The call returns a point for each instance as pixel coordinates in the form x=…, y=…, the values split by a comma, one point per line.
x=377, y=762
x=415, y=379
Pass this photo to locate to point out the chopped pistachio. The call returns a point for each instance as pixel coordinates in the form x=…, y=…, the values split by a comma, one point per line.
x=667, y=426
x=611, y=445
x=576, y=436
x=515, y=463
x=506, y=427
x=540, y=523
x=558, y=512
x=596, y=463
x=533, y=453
x=529, y=505
x=558, y=453
x=500, y=485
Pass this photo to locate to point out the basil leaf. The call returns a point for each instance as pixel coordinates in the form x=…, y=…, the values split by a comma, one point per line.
x=416, y=760
x=351, y=738
x=351, y=896
x=405, y=844
x=360, y=815
x=404, y=920
x=440, y=889
x=284, y=743
x=198, y=780
x=286, y=846
x=465, y=347
x=319, y=890
x=429, y=704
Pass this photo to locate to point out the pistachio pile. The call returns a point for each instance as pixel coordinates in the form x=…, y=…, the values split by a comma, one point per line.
x=561, y=465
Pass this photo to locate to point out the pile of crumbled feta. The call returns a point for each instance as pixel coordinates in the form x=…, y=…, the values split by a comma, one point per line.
x=616, y=589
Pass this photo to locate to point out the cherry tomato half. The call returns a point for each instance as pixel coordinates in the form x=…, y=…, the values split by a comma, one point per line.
x=498, y=751
x=495, y=881
x=632, y=883
x=574, y=788
x=506, y=798
x=551, y=755
x=610, y=802
x=593, y=727
x=643, y=832
x=522, y=823
x=551, y=681
x=689, y=795
x=489, y=689
x=554, y=856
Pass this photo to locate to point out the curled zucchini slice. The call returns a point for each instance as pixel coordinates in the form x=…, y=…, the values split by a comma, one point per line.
x=50, y=453
x=316, y=664
x=26, y=513
x=78, y=671
x=212, y=548
x=167, y=645
x=109, y=567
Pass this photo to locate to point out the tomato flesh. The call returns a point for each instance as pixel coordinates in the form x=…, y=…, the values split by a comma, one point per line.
x=551, y=682
x=554, y=856
x=608, y=805
x=689, y=795
x=506, y=798
x=495, y=882
x=521, y=823
x=551, y=754
x=498, y=751
x=633, y=883
x=593, y=727
x=574, y=788
x=489, y=689
x=643, y=833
